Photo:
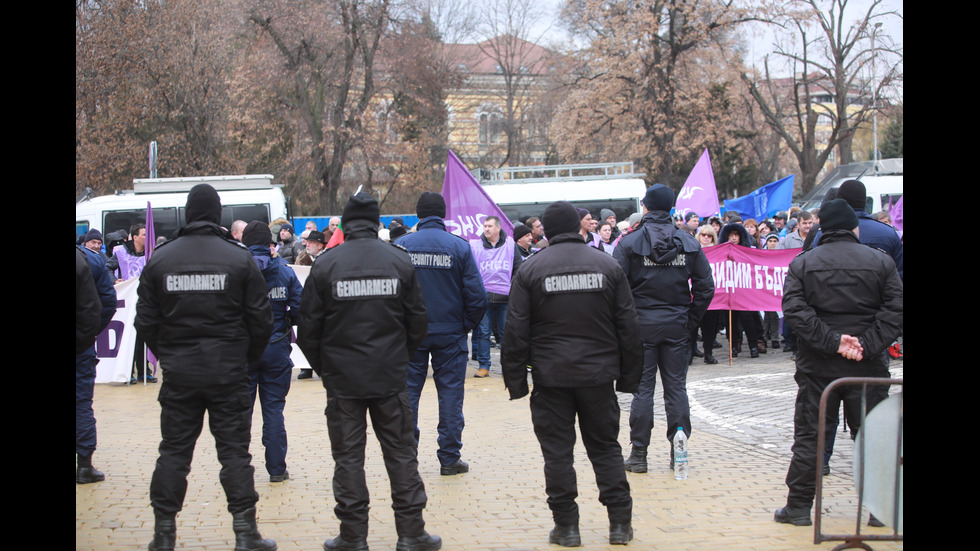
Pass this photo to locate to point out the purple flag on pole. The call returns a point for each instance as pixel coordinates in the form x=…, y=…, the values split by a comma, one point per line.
x=467, y=203
x=699, y=193
x=151, y=234
x=896, y=214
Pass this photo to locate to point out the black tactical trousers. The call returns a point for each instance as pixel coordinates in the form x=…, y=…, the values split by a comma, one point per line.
x=553, y=412
x=391, y=418
x=182, y=408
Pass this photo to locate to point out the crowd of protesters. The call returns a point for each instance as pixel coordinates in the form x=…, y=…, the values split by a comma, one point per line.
x=655, y=256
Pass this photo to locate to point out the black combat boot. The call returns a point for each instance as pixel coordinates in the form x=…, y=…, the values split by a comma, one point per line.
x=164, y=532
x=566, y=535
x=425, y=542
x=247, y=537
x=620, y=533
x=85, y=473
x=637, y=461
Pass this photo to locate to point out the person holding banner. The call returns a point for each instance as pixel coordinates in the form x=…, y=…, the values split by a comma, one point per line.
x=672, y=287
x=709, y=322
x=742, y=320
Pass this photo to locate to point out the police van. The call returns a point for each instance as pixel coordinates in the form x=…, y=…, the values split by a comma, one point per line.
x=247, y=197
x=526, y=191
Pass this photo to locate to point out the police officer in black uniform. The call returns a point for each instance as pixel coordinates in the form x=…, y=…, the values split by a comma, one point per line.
x=573, y=365
x=672, y=286
x=204, y=311
x=362, y=316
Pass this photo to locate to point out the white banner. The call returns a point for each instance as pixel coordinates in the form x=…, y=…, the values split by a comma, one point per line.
x=115, y=345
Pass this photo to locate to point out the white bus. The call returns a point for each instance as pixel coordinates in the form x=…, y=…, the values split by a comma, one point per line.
x=526, y=191
x=248, y=197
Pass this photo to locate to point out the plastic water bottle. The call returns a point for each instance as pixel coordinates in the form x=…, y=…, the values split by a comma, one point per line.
x=680, y=455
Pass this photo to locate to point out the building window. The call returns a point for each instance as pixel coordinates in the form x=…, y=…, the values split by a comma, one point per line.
x=489, y=119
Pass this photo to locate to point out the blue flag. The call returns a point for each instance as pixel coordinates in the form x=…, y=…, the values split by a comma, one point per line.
x=765, y=201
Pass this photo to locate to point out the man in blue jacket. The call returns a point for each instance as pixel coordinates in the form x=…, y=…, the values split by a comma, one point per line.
x=872, y=232
x=93, y=314
x=269, y=376
x=455, y=300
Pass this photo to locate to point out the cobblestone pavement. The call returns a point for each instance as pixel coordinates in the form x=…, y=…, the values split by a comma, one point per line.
x=742, y=416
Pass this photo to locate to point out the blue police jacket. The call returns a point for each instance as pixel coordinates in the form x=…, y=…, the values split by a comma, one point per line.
x=455, y=297
x=285, y=292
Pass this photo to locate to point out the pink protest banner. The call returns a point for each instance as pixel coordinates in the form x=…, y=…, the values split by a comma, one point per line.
x=748, y=278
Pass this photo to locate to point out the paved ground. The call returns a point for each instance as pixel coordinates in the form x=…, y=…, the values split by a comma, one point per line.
x=739, y=455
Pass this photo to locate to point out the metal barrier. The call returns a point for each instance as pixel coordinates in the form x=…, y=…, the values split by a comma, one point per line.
x=856, y=540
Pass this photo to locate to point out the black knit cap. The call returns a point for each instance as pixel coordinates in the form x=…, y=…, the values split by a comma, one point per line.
x=837, y=215
x=520, y=231
x=659, y=197
x=431, y=204
x=256, y=233
x=852, y=191
x=203, y=204
x=560, y=217
x=361, y=207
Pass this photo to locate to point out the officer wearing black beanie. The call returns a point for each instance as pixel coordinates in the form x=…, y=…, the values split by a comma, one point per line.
x=204, y=311
x=576, y=367
x=659, y=259
x=363, y=316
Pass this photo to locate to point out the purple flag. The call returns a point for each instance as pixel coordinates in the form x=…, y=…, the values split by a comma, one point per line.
x=699, y=193
x=151, y=241
x=151, y=234
x=896, y=214
x=467, y=203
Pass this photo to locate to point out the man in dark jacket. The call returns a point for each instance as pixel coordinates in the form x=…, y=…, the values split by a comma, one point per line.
x=845, y=301
x=659, y=260
x=455, y=300
x=873, y=232
x=204, y=311
x=573, y=366
x=363, y=315
x=269, y=376
x=95, y=304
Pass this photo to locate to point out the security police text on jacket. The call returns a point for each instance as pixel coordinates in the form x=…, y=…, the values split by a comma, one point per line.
x=455, y=296
x=205, y=322
x=603, y=347
x=366, y=289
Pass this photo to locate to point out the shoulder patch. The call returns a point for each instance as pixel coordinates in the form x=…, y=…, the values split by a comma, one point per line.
x=396, y=245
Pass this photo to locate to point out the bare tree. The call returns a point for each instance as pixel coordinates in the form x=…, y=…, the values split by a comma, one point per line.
x=328, y=55
x=511, y=38
x=645, y=88
x=831, y=92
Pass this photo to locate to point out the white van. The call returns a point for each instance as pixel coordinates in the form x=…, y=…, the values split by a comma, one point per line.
x=526, y=191
x=883, y=182
x=248, y=197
